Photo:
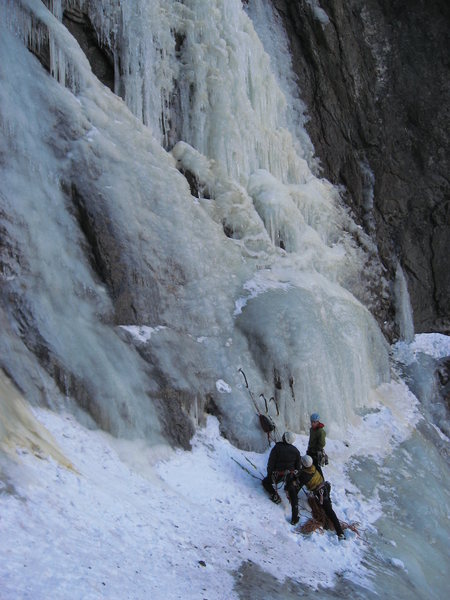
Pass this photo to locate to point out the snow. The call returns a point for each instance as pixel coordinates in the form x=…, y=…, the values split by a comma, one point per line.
x=398, y=563
x=133, y=522
x=142, y=333
x=422, y=364
x=262, y=282
x=223, y=387
x=436, y=345
x=318, y=12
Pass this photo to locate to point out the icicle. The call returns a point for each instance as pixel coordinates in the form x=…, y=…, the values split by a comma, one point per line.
x=55, y=6
x=37, y=26
x=404, y=313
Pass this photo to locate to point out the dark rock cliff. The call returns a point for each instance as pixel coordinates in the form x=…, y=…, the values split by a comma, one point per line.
x=375, y=75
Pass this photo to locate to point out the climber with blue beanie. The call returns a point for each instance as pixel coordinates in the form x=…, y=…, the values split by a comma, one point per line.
x=316, y=443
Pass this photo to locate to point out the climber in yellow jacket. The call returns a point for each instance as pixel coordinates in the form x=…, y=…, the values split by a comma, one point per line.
x=310, y=477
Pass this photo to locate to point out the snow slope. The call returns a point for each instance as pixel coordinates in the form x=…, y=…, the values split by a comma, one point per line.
x=134, y=523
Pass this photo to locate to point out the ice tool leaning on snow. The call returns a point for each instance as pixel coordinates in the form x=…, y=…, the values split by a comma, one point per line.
x=310, y=477
x=316, y=444
x=282, y=467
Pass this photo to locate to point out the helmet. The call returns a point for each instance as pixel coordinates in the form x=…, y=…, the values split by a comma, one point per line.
x=289, y=437
x=307, y=461
x=315, y=417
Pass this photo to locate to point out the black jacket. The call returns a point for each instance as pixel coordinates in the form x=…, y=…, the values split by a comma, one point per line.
x=283, y=457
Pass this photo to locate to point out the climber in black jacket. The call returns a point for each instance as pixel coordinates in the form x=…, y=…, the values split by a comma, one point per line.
x=283, y=465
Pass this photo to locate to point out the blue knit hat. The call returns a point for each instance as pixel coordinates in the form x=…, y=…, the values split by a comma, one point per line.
x=315, y=417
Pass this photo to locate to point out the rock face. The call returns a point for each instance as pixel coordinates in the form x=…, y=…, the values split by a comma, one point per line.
x=100, y=58
x=375, y=76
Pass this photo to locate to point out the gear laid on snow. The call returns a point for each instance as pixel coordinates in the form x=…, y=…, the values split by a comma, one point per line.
x=246, y=469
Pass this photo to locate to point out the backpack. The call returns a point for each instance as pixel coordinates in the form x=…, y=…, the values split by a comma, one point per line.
x=266, y=423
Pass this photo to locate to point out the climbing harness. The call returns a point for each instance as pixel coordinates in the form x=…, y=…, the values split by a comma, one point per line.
x=322, y=492
x=280, y=478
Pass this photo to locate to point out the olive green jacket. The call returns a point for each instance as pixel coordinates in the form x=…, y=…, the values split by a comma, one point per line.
x=317, y=439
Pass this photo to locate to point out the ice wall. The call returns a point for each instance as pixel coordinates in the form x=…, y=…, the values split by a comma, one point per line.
x=227, y=249
x=403, y=309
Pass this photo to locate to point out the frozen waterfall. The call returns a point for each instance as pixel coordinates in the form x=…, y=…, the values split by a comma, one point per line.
x=163, y=228
x=186, y=203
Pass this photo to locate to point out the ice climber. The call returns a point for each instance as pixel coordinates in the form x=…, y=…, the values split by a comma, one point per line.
x=310, y=477
x=283, y=466
x=316, y=443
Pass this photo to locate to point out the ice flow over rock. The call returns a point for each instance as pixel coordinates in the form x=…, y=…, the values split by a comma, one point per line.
x=186, y=202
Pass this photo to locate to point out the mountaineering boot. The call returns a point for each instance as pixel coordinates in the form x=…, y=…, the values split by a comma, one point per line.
x=295, y=518
x=275, y=497
x=341, y=537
